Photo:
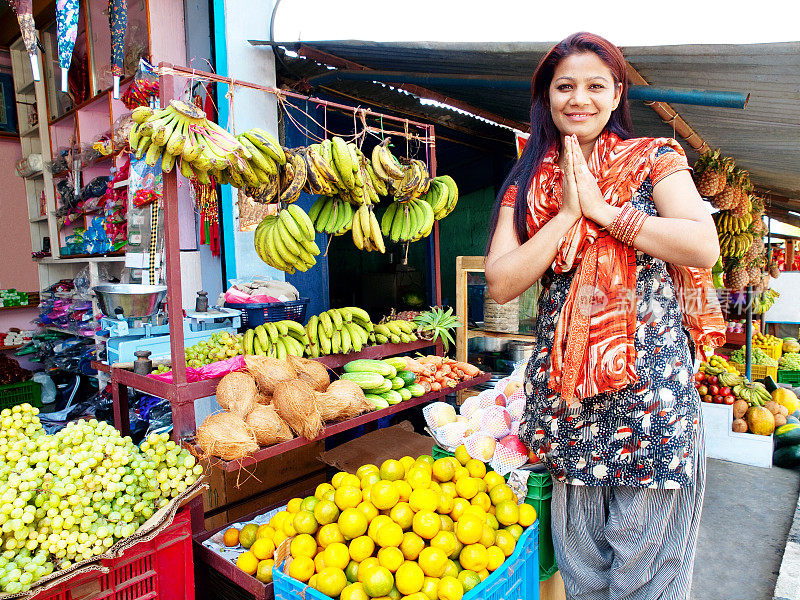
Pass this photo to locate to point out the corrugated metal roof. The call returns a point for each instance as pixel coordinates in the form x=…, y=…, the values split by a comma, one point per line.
x=763, y=138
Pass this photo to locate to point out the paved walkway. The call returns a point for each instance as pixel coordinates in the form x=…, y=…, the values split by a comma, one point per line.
x=748, y=514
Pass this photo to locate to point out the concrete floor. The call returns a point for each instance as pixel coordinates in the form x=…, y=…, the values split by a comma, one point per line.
x=747, y=515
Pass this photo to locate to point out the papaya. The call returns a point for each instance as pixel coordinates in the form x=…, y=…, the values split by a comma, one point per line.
x=760, y=420
x=787, y=398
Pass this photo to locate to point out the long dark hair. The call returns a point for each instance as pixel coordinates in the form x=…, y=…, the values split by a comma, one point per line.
x=544, y=134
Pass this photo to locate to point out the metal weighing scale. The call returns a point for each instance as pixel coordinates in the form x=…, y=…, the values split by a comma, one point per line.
x=133, y=320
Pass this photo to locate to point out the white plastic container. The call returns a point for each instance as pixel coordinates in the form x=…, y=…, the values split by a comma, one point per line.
x=724, y=443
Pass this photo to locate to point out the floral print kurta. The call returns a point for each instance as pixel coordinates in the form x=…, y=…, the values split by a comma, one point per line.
x=641, y=436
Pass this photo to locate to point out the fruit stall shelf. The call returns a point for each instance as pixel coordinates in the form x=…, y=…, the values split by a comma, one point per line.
x=333, y=429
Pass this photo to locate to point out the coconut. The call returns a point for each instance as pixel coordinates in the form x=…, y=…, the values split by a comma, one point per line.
x=268, y=426
x=269, y=372
x=264, y=399
x=295, y=403
x=342, y=400
x=312, y=372
x=237, y=393
x=226, y=435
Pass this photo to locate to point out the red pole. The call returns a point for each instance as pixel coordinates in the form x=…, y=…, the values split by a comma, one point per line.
x=437, y=267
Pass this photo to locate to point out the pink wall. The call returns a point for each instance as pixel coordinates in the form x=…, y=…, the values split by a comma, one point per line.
x=17, y=270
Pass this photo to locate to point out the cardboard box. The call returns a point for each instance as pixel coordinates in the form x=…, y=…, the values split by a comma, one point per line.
x=226, y=488
x=375, y=447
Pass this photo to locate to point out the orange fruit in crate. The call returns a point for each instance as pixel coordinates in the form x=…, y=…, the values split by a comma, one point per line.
x=427, y=524
x=488, y=536
x=354, y=591
x=402, y=514
x=468, y=487
x=352, y=523
x=491, y=521
x=469, y=529
x=361, y=548
x=331, y=581
x=449, y=489
x=459, y=506
x=409, y=578
x=367, y=468
x=378, y=581
x=443, y=470
x=433, y=561
x=265, y=531
x=507, y=512
x=384, y=495
x=368, y=509
x=369, y=479
x=446, y=504
x=505, y=541
x=462, y=455
x=474, y=557
x=304, y=522
x=476, y=468
x=424, y=499
x=391, y=558
x=303, y=545
x=336, y=480
x=322, y=489
x=447, y=523
x=389, y=535
x=407, y=462
x=483, y=574
x=404, y=490
x=411, y=545
x=515, y=530
x=493, y=479
x=247, y=562
x=329, y=534
x=496, y=558
x=461, y=473
x=336, y=555
x=264, y=571
x=527, y=515
x=481, y=499
x=263, y=548
x=308, y=503
x=231, y=537
x=501, y=492
x=392, y=470
x=450, y=588
x=426, y=458
x=326, y=512
x=294, y=505
x=247, y=535
x=469, y=579
x=351, y=572
x=445, y=541
x=347, y=496
x=418, y=477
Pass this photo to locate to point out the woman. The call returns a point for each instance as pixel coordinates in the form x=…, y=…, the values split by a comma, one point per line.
x=620, y=236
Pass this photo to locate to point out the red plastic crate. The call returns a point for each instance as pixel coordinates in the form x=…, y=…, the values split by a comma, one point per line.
x=160, y=569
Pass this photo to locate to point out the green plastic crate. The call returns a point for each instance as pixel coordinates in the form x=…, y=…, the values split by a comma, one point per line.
x=540, y=491
x=19, y=393
x=790, y=377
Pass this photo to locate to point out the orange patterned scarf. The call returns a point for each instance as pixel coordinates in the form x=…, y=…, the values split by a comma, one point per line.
x=593, y=349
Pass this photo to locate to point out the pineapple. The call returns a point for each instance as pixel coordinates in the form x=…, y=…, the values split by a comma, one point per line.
x=774, y=270
x=753, y=275
x=743, y=207
x=736, y=279
x=711, y=173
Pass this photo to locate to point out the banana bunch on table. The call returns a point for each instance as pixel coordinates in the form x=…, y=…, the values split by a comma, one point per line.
x=286, y=240
x=339, y=331
x=396, y=332
x=277, y=339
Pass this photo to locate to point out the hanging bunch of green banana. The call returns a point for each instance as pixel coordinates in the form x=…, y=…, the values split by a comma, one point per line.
x=181, y=134
x=339, y=331
x=277, y=339
x=442, y=196
x=734, y=245
x=332, y=215
x=396, y=332
x=408, y=221
x=286, y=240
x=267, y=158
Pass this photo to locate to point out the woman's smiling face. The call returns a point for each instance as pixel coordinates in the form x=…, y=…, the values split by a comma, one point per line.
x=582, y=96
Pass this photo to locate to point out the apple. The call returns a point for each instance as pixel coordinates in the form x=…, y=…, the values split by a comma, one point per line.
x=484, y=448
x=707, y=398
x=729, y=399
x=699, y=376
x=724, y=391
x=713, y=389
x=514, y=444
x=702, y=390
x=713, y=380
x=718, y=399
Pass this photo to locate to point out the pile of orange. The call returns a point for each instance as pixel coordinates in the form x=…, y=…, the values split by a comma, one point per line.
x=411, y=529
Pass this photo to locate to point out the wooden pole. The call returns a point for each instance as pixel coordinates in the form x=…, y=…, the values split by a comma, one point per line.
x=789, y=265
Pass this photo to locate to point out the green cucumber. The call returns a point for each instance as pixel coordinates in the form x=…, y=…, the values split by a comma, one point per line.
x=396, y=362
x=416, y=390
x=366, y=381
x=384, y=387
x=377, y=401
x=392, y=397
x=367, y=365
x=407, y=376
x=405, y=393
x=397, y=383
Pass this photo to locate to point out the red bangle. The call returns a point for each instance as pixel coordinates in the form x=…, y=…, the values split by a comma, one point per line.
x=627, y=225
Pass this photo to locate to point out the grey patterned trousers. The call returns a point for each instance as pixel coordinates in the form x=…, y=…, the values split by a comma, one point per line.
x=625, y=543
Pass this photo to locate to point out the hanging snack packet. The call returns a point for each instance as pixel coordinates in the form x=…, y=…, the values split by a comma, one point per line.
x=143, y=86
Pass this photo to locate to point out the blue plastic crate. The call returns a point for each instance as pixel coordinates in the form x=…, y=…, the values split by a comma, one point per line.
x=516, y=579
x=258, y=313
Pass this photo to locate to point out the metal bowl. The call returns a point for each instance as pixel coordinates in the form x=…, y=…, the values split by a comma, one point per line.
x=129, y=300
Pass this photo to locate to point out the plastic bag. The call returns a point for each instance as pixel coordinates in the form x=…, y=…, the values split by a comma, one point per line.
x=234, y=296
x=209, y=371
x=145, y=183
x=143, y=86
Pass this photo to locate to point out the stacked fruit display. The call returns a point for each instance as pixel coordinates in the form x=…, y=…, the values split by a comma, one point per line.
x=414, y=528
x=71, y=496
x=385, y=382
x=787, y=435
x=757, y=357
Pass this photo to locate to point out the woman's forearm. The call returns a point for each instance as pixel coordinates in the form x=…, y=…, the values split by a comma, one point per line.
x=677, y=241
x=511, y=271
